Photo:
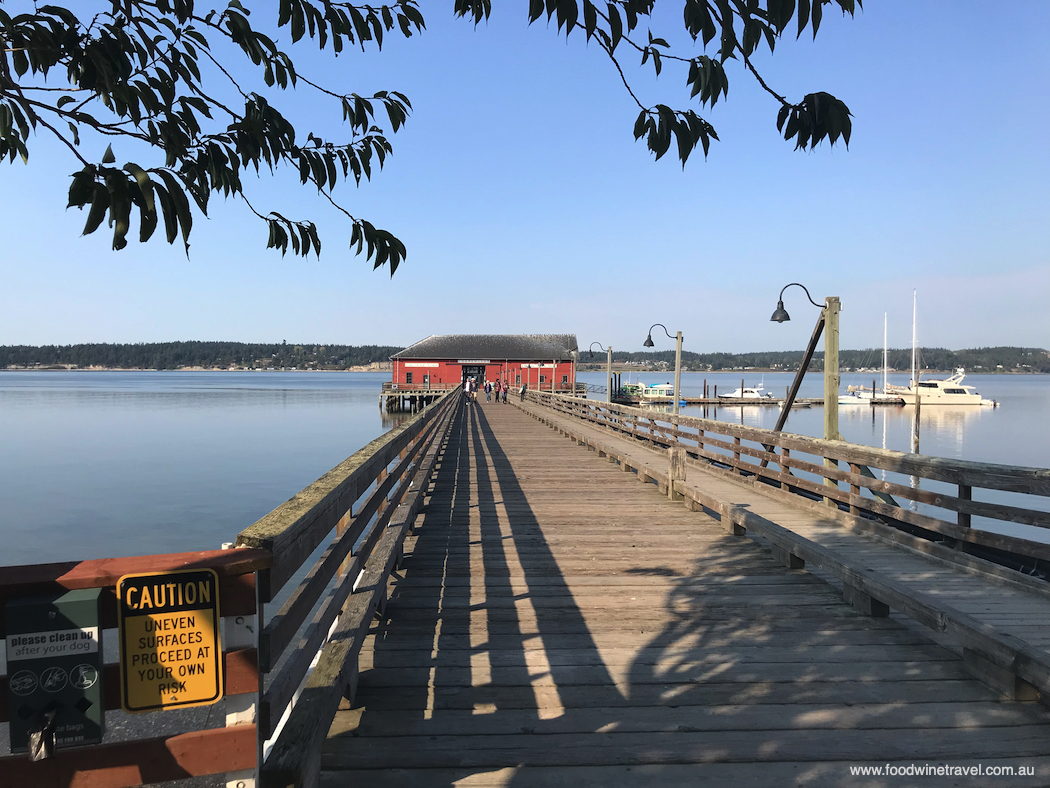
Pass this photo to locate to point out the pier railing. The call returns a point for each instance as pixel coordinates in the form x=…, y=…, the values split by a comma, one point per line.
x=941, y=497
x=437, y=388
x=284, y=673
x=160, y=757
x=334, y=545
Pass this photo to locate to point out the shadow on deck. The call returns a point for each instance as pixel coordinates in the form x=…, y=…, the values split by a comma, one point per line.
x=558, y=623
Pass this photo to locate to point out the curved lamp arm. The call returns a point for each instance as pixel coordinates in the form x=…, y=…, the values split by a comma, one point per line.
x=780, y=314
x=649, y=339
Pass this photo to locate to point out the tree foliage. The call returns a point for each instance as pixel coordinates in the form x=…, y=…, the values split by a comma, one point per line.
x=173, y=355
x=178, y=81
x=978, y=360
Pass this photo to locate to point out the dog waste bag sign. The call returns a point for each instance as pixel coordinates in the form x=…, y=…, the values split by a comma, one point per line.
x=170, y=655
x=54, y=670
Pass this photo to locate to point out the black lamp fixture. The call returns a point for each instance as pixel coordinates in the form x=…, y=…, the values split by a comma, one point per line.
x=677, y=361
x=590, y=350
x=780, y=314
x=649, y=339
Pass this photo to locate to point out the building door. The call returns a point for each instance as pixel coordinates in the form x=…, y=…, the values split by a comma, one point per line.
x=477, y=371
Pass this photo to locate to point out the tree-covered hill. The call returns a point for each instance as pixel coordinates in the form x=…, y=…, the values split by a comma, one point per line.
x=175, y=355
x=976, y=360
x=223, y=355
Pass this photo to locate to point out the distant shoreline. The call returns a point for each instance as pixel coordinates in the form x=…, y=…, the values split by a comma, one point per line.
x=238, y=356
x=60, y=368
x=592, y=369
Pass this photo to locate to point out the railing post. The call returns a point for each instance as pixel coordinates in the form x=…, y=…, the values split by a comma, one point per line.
x=675, y=471
x=965, y=494
x=242, y=632
x=854, y=488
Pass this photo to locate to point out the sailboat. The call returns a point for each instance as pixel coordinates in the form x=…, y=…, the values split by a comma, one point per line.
x=861, y=396
x=950, y=391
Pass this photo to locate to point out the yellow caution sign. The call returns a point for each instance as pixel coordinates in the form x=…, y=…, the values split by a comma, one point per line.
x=170, y=654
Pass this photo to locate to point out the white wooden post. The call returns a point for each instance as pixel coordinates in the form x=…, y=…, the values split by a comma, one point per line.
x=241, y=632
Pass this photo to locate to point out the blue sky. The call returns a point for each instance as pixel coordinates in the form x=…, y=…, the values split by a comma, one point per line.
x=527, y=206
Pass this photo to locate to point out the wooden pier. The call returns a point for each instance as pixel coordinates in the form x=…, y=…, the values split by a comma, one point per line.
x=557, y=623
x=409, y=398
x=562, y=592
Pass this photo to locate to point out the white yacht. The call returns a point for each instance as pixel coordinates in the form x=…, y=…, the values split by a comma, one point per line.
x=855, y=398
x=942, y=392
x=935, y=392
x=754, y=392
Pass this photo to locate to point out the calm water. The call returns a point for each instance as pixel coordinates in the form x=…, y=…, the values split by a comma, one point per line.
x=96, y=464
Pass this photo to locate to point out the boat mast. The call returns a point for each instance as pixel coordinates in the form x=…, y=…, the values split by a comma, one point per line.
x=914, y=340
x=885, y=355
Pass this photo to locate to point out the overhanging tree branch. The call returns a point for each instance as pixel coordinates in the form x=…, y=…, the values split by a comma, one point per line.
x=137, y=67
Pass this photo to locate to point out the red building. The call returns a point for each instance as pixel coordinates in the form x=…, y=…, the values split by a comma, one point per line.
x=540, y=361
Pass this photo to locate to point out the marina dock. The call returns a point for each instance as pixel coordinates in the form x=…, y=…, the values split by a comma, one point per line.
x=799, y=402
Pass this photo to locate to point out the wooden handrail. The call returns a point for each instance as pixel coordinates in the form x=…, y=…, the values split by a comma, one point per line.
x=706, y=441
x=293, y=530
x=369, y=497
x=1009, y=478
x=390, y=470
x=140, y=762
x=234, y=568
x=437, y=388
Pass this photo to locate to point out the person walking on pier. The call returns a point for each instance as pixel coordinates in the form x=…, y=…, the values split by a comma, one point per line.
x=505, y=387
x=488, y=391
x=495, y=388
x=524, y=388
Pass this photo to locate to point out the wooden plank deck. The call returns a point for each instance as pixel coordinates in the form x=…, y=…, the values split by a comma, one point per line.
x=558, y=623
x=953, y=592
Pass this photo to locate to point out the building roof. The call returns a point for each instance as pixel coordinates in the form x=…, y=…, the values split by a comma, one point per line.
x=494, y=347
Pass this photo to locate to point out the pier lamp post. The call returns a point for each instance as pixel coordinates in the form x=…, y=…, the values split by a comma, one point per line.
x=608, y=368
x=828, y=322
x=677, y=360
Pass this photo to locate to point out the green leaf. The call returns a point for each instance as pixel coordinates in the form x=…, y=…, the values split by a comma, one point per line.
x=21, y=61
x=147, y=225
x=145, y=184
x=590, y=18
x=803, y=16
x=99, y=206
x=179, y=207
x=298, y=22
x=639, y=124
x=120, y=212
x=615, y=25
x=82, y=189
